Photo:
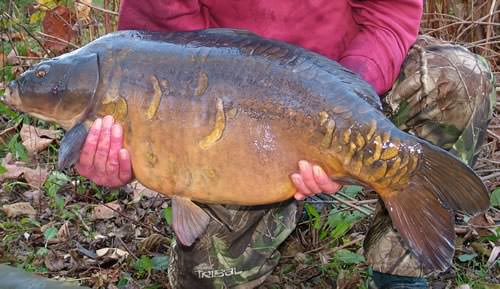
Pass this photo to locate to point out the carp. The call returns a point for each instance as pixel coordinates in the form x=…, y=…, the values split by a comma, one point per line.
x=222, y=116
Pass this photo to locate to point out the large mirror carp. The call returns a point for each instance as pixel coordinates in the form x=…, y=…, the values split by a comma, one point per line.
x=223, y=116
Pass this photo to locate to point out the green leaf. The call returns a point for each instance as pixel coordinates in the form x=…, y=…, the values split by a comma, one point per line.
x=143, y=264
x=54, y=182
x=314, y=215
x=122, y=283
x=42, y=251
x=467, y=257
x=340, y=222
x=57, y=178
x=167, y=214
x=2, y=170
x=5, y=110
x=160, y=263
x=17, y=149
x=348, y=257
x=352, y=190
x=50, y=233
x=495, y=198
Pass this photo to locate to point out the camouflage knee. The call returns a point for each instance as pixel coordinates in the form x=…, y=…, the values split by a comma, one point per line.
x=445, y=95
x=238, y=250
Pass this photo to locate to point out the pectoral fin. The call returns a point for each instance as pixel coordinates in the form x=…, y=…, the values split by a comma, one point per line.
x=71, y=145
x=189, y=220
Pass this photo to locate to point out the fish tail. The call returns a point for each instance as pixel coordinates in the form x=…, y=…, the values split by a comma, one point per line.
x=423, y=211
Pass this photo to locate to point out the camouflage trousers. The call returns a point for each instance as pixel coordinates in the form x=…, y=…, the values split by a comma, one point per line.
x=444, y=94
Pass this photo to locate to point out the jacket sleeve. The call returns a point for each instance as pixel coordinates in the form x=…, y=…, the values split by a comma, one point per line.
x=386, y=30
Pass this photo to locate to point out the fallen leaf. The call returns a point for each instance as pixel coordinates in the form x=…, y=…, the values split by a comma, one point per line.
x=6, y=134
x=83, y=11
x=152, y=242
x=12, y=36
x=12, y=58
x=33, y=195
x=17, y=70
x=64, y=234
x=13, y=170
x=58, y=23
x=348, y=280
x=37, y=139
x=464, y=286
x=493, y=256
x=140, y=191
x=36, y=177
x=480, y=223
x=112, y=253
x=106, y=211
x=54, y=262
x=19, y=209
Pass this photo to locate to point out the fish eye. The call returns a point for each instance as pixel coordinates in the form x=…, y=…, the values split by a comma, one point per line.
x=42, y=71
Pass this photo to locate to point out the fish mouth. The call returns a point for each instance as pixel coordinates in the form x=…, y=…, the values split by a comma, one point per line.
x=11, y=95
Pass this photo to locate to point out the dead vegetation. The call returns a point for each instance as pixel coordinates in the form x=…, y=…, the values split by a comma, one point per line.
x=67, y=228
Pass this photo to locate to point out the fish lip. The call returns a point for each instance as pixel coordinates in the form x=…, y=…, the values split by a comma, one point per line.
x=11, y=95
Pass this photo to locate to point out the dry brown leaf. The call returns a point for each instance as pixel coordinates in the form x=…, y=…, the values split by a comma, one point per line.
x=17, y=70
x=152, y=242
x=112, y=253
x=54, y=262
x=19, y=209
x=37, y=139
x=12, y=36
x=33, y=195
x=12, y=58
x=480, y=223
x=83, y=11
x=495, y=253
x=6, y=134
x=64, y=234
x=106, y=211
x=141, y=191
x=36, y=177
x=14, y=170
x=3, y=60
x=58, y=23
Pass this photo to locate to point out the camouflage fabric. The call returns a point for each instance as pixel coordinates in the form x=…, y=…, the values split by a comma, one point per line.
x=238, y=250
x=445, y=94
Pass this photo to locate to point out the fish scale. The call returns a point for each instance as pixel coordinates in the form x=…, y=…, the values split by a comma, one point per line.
x=223, y=116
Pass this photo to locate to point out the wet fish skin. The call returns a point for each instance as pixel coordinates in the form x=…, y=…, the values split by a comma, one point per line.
x=223, y=116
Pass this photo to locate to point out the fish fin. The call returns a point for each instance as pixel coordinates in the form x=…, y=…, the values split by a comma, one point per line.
x=189, y=220
x=71, y=145
x=422, y=211
x=424, y=224
x=453, y=182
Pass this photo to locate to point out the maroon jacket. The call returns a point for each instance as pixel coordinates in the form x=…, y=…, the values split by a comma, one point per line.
x=371, y=38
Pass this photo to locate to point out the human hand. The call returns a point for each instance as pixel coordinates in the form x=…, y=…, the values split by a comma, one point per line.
x=102, y=159
x=312, y=180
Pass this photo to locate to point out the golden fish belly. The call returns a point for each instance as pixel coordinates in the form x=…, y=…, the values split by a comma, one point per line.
x=247, y=165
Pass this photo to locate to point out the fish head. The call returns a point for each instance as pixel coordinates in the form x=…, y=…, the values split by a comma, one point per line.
x=60, y=90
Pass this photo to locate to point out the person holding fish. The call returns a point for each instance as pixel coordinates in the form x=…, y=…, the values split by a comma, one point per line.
x=437, y=91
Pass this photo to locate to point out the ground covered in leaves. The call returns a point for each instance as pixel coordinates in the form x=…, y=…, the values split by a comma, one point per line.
x=62, y=226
